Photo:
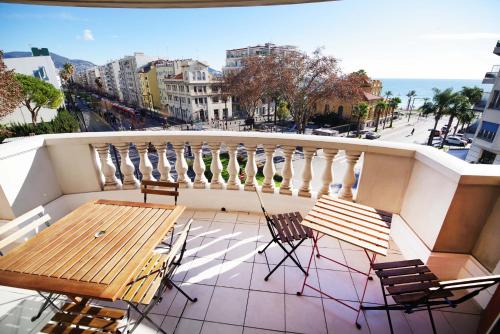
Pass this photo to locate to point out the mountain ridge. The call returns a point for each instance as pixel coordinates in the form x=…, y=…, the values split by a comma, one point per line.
x=58, y=60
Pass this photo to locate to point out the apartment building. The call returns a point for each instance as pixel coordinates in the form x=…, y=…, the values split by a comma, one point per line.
x=111, y=78
x=149, y=85
x=165, y=70
x=234, y=57
x=485, y=148
x=129, y=77
x=191, y=94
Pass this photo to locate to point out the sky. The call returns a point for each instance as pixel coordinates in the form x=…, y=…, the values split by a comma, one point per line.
x=387, y=38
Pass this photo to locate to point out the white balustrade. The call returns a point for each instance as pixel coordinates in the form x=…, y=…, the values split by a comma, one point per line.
x=163, y=164
x=233, y=168
x=307, y=174
x=108, y=169
x=269, y=169
x=250, y=168
x=145, y=166
x=217, y=182
x=127, y=167
x=181, y=166
x=286, y=187
x=200, y=181
x=349, y=177
x=329, y=155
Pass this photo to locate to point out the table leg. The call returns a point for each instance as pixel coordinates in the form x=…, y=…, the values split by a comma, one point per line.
x=315, y=246
x=372, y=260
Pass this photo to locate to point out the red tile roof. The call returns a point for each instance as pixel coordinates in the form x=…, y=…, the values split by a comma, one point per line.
x=371, y=97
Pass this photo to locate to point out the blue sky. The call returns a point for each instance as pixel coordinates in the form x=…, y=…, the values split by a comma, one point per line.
x=388, y=38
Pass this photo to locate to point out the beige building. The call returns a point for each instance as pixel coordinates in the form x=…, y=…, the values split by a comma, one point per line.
x=149, y=85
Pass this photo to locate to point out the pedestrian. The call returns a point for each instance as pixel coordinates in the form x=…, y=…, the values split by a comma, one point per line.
x=412, y=131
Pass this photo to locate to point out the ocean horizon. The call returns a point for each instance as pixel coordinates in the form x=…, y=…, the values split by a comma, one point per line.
x=400, y=87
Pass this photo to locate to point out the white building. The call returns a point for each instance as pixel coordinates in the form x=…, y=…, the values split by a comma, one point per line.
x=129, y=78
x=165, y=70
x=41, y=67
x=234, y=57
x=190, y=94
x=111, y=78
x=485, y=146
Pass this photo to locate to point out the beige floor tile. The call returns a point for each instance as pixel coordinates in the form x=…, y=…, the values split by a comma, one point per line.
x=220, y=230
x=462, y=323
x=214, y=248
x=266, y=310
x=203, y=270
x=196, y=310
x=242, y=250
x=304, y=314
x=331, y=253
x=420, y=323
x=217, y=328
x=235, y=274
x=340, y=319
x=252, y=218
x=207, y=215
x=343, y=287
x=275, y=283
x=377, y=320
x=182, y=326
x=246, y=232
x=228, y=217
x=228, y=305
x=294, y=279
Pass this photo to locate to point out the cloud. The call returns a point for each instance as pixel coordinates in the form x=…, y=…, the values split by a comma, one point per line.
x=87, y=35
x=462, y=36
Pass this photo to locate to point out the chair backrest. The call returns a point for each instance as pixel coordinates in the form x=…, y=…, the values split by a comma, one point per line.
x=259, y=196
x=481, y=283
x=24, y=230
x=160, y=188
x=179, y=246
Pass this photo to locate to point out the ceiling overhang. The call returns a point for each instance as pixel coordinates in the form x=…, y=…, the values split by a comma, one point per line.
x=160, y=3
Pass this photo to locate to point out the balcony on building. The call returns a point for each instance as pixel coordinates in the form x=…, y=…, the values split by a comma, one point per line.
x=491, y=76
x=479, y=106
x=428, y=190
x=496, y=50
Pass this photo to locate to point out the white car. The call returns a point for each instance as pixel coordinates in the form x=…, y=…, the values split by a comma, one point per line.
x=454, y=140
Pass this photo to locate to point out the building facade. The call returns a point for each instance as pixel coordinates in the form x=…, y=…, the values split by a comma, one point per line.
x=149, y=85
x=191, y=95
x=234, y=57
x=129, y=77
x=485, y=148
x=111, y=77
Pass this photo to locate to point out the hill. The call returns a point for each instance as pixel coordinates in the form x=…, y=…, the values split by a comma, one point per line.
x=58, y=60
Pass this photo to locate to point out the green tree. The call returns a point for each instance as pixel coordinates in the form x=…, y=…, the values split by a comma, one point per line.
x=459, y=104
x=393, y=105
x=388, y=94
x=359, y=112
x=67, y=71
x=282, y=112
x=474, y=94
x=10, y=90
x=380, y=108
x=438, y=107
x=37, y=94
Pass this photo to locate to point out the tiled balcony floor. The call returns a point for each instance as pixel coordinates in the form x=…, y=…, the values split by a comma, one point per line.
x=223, y=270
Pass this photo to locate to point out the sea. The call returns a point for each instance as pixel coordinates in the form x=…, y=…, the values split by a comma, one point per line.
x=423, y=87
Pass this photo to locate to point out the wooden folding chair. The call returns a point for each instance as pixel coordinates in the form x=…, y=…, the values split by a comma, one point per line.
x=285, y=229
x=154, y=279
x=163, y=188
x=413, y=287
x=23, y=229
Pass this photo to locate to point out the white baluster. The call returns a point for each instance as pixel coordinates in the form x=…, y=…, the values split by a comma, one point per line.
x=145, y=165
x=233, y=168
x=127, y=167
x=250, y=168
x=217, y=182
x=269, y=169
x=307, y=174
x=329, y=155
x=287, y=171
x=349, y=177
x=200, y=181
x=163, y=164
x=108, y=169
x=181, y=166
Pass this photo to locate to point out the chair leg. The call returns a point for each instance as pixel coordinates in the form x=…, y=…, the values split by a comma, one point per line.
x=386, y=308
x=49, y=301
x=194, y=300
x=144, y=315
x=269, y=244
x=288, y=255
x=431, y=318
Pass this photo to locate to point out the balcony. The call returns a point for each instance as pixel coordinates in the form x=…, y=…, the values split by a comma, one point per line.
x=496, y=50
x=491, y=76
x=428, y=190
x=479, y=106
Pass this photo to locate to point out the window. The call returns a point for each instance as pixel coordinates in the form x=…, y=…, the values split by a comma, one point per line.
x=495, y=100
x=204, y=89
x=488, y=131
x=198, y=75
x=203, y=75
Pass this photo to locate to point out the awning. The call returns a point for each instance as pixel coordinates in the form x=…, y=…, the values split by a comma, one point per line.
x=161, y=3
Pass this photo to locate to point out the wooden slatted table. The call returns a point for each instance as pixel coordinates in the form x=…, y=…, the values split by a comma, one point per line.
x=354, y=223
x=93, y=252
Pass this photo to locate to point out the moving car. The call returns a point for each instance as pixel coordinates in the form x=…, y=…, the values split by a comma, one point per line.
x=372, y=135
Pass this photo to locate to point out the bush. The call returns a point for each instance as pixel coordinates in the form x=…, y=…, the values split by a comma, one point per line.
x=64, y=122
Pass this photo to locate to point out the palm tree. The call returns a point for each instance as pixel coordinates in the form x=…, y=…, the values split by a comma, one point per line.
x=438, y=107
x=393, y=105
x=411, y=94
x=474, y=94
x=388, y=94
x=67, y=71
x=464, y=118
x=360, y=111
x=380, y=107
x=460, y=104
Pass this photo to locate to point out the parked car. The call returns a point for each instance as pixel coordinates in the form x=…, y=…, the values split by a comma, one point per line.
x=463, y=137
x=436, y=133
x=325, y=132
x=454, y=141
x=444, y=129
x=372, y=135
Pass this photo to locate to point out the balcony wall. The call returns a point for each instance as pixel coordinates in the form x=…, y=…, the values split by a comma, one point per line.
x=443, y=204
